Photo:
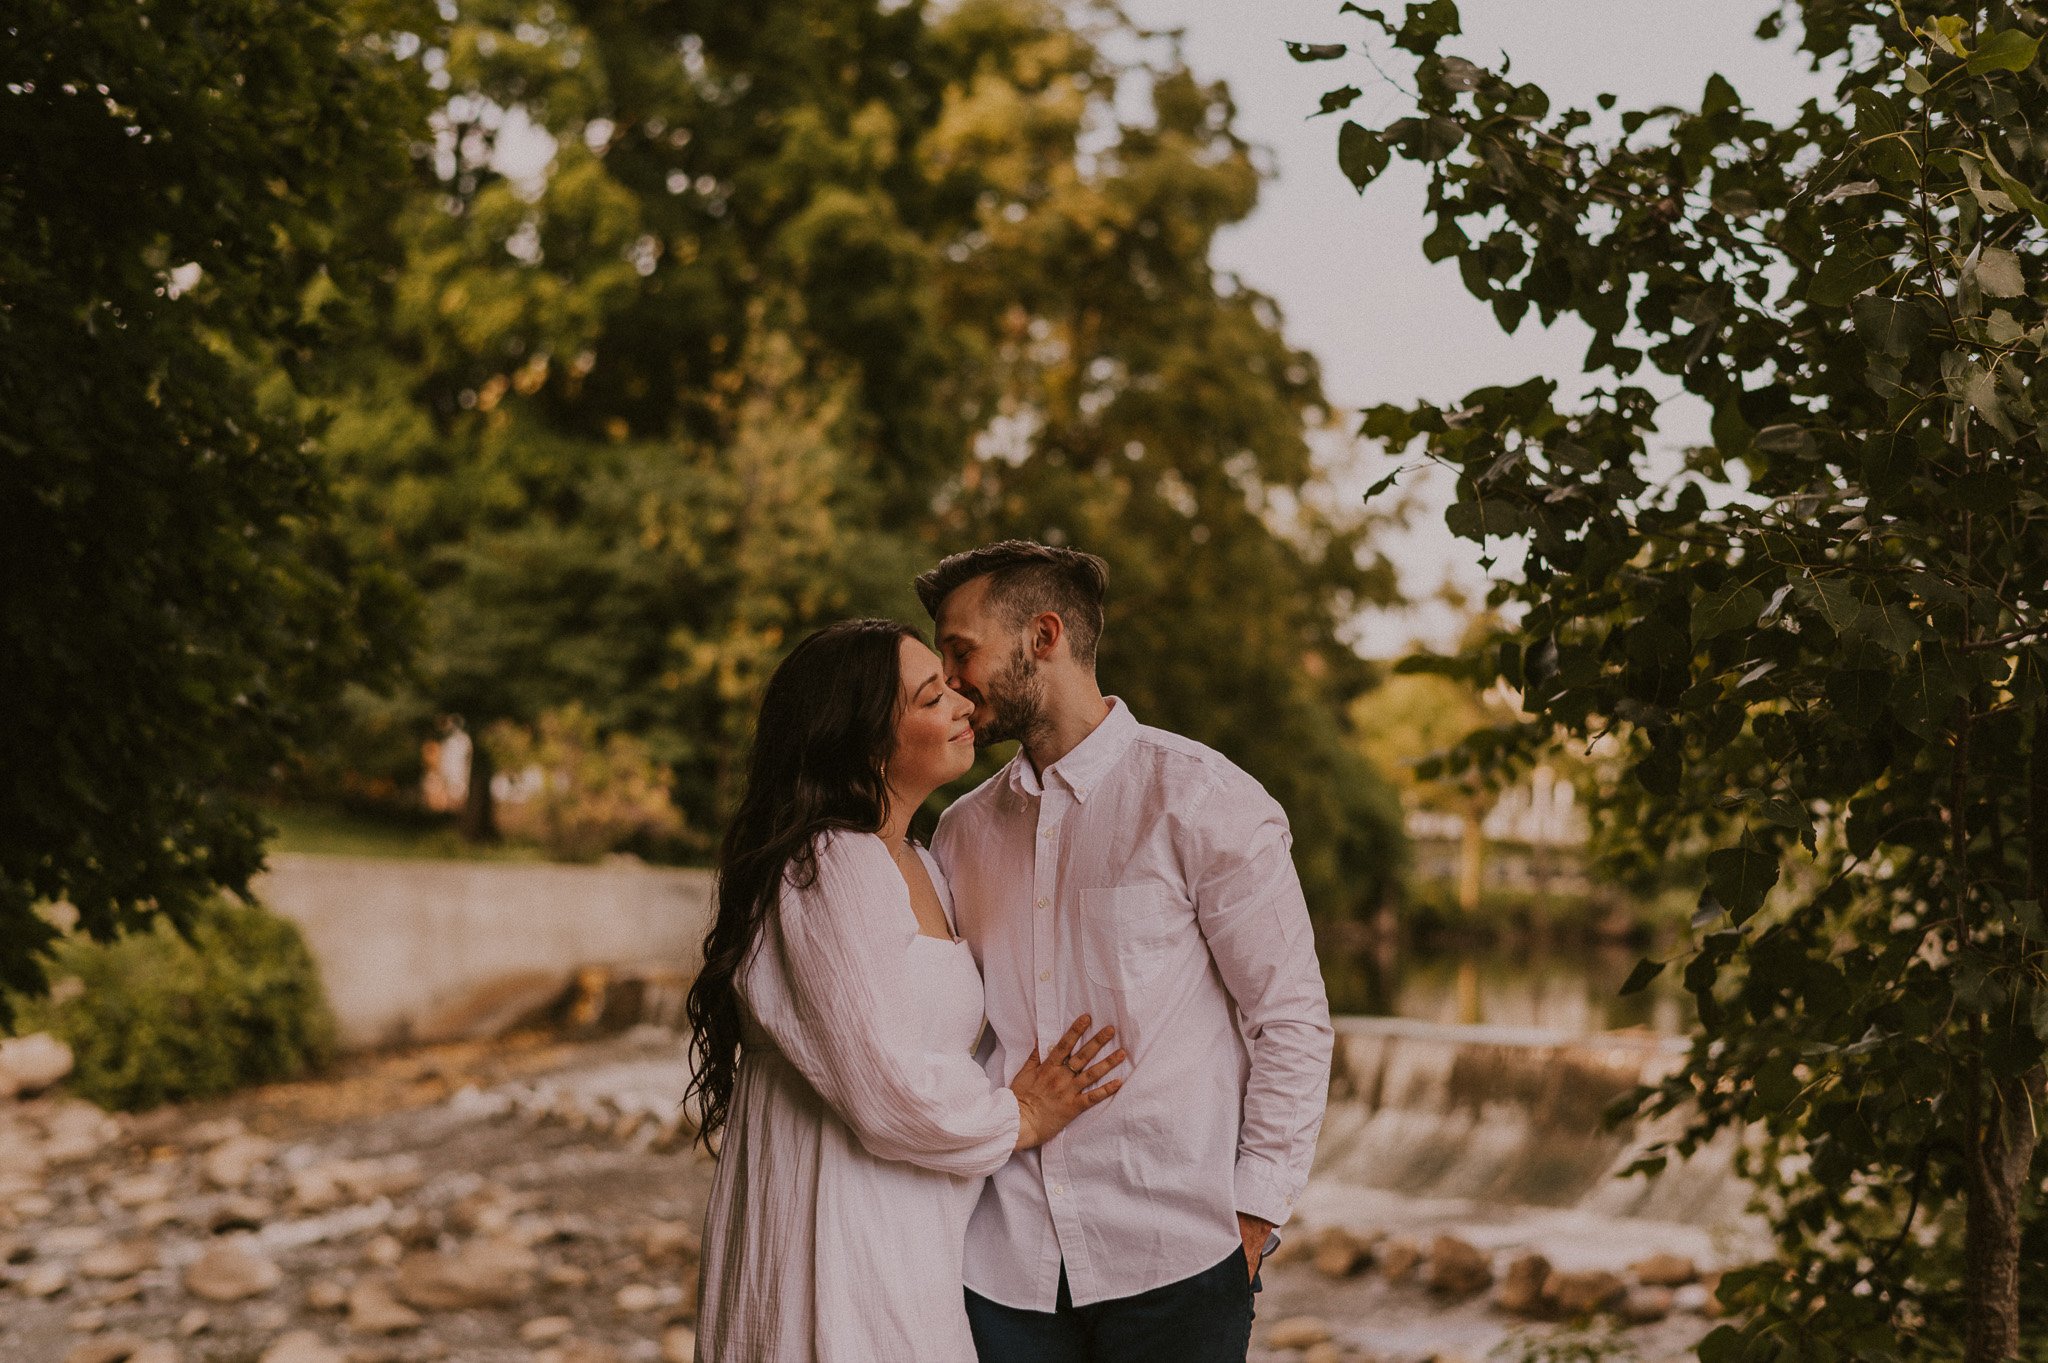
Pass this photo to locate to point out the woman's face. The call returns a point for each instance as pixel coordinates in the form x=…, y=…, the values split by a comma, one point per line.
x=934, y=741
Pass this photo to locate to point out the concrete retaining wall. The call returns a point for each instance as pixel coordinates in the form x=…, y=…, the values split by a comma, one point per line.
x=419, y=950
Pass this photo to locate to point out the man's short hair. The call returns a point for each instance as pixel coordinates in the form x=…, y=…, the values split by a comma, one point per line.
x=1025, y=580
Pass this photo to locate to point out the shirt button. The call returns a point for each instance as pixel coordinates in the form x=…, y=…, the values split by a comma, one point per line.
x=1043, y=902
x=1045, y=974
x=1050, y=833
x=1059, y=1189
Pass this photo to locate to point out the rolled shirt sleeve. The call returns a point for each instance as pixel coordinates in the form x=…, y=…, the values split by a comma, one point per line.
x=843, y=942
x=1240, y=872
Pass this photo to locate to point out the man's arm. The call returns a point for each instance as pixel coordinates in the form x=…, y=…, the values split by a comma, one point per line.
x=1248, y=899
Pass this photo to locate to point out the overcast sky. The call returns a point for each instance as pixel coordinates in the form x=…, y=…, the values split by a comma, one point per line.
x=1348, y=270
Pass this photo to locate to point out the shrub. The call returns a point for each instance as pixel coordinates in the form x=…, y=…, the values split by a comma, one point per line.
x=156, y=1018
x=577, y=794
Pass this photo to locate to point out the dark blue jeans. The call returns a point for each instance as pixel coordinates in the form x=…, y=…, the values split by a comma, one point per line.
x=1203, y=1319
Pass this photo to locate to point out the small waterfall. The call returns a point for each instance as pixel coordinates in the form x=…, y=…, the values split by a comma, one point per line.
x=1505, y=1127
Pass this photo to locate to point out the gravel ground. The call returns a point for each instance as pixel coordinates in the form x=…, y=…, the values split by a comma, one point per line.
x=531, y=1200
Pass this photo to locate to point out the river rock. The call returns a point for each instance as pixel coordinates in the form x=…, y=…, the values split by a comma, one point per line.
x=302, y=1346
x=578, y=1351
x=383, y=1251
x=1339, y=1253
x=122, y=1259
x=156, y=1351
x=545, y=1329
x=43, y=1280
x=106, y=1349
x=1297, y=1332
x=1693, y=1297
x=670, y=1240
x=679, y=1345
x=480, y=1273
x=237, y=1211
x=65, y=1241
x=1521, y=1287
x=231, y=1271
x=30, y=1064
x=1398, y=1258
x=76, y=1130
x=1325, y=1352
x=636, y=1297
x=574, y=1277
x=139, y=1190
x=326, y=1294
x=230, y=1165
x=1664, y=1270
x=1583, y=1293
x=1645, y=1305
x=372, y=1310
x=194, y=1322
x=1458, y=1268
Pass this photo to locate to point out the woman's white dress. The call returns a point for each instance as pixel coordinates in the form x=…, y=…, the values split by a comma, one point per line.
x=861, y=1129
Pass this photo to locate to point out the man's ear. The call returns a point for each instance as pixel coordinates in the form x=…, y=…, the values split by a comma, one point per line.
x=1048, y=632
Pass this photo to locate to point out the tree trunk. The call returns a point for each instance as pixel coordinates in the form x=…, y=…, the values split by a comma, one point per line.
x=479, y=810
x=1471, y=865
x=1998, y=1167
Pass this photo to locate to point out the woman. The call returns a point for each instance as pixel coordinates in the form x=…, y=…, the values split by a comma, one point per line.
x=835, y=1023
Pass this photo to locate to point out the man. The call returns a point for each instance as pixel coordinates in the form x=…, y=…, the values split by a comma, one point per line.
x=1123, y=871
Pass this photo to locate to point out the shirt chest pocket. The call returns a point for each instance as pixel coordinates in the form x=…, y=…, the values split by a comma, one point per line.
x=1128, y=932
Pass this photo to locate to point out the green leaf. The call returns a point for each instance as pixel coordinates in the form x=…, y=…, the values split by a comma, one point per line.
x=1382, y=485
x=1732, y=607
x=1639, y=978
x=1892, y=325
x=2007, y=49
x=1990, y=200
x=1846, y=272
x=1740, y=877
x=1833, y=599
x=1426, y=139
x=1890, y=625
x=2020, y=192
x=1776, y=1084
x=1492, y=516
x=1859, y=694
x=1786, y=437
x=1888, y=462
x=1361, y=155
x=1334, y=100
x=1998, y=273
x=1315, y=52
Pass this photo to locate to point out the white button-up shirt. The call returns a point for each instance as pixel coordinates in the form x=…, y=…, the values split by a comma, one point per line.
x=1148, y=881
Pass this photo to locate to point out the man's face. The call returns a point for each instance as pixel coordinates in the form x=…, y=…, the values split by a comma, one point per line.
x=991, y=664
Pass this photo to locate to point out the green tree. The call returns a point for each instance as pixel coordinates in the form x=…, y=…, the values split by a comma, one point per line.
x=172, y=612
x=1146, y=406
x=788, y=302
x=1841, y=660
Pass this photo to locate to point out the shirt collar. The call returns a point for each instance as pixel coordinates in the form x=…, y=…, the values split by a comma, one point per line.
x=1091, y=760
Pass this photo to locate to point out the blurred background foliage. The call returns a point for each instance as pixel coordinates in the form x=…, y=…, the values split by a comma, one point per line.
x=704, y=325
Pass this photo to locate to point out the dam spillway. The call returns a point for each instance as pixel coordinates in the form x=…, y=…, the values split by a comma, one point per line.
x=1499, y=1134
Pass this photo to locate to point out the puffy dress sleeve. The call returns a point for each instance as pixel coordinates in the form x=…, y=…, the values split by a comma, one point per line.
x=844, y=1021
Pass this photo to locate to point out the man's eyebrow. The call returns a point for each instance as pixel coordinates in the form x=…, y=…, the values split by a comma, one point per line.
x=954, y=636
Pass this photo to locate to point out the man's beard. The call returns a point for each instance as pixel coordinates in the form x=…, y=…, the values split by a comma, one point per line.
x=1015, y=701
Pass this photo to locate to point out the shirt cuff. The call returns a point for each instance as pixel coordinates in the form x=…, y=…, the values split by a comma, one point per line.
x=1264, y=1191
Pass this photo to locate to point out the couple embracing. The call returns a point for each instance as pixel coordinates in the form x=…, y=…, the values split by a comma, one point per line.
x=1071, y=1059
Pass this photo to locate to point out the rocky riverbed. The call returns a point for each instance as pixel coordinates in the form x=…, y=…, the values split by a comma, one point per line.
x=537, y=1200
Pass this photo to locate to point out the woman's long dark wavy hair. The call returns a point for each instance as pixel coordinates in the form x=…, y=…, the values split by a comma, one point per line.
x=821, y=745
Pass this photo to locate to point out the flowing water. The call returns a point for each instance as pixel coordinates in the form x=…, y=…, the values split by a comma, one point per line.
x=1475, y=1103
